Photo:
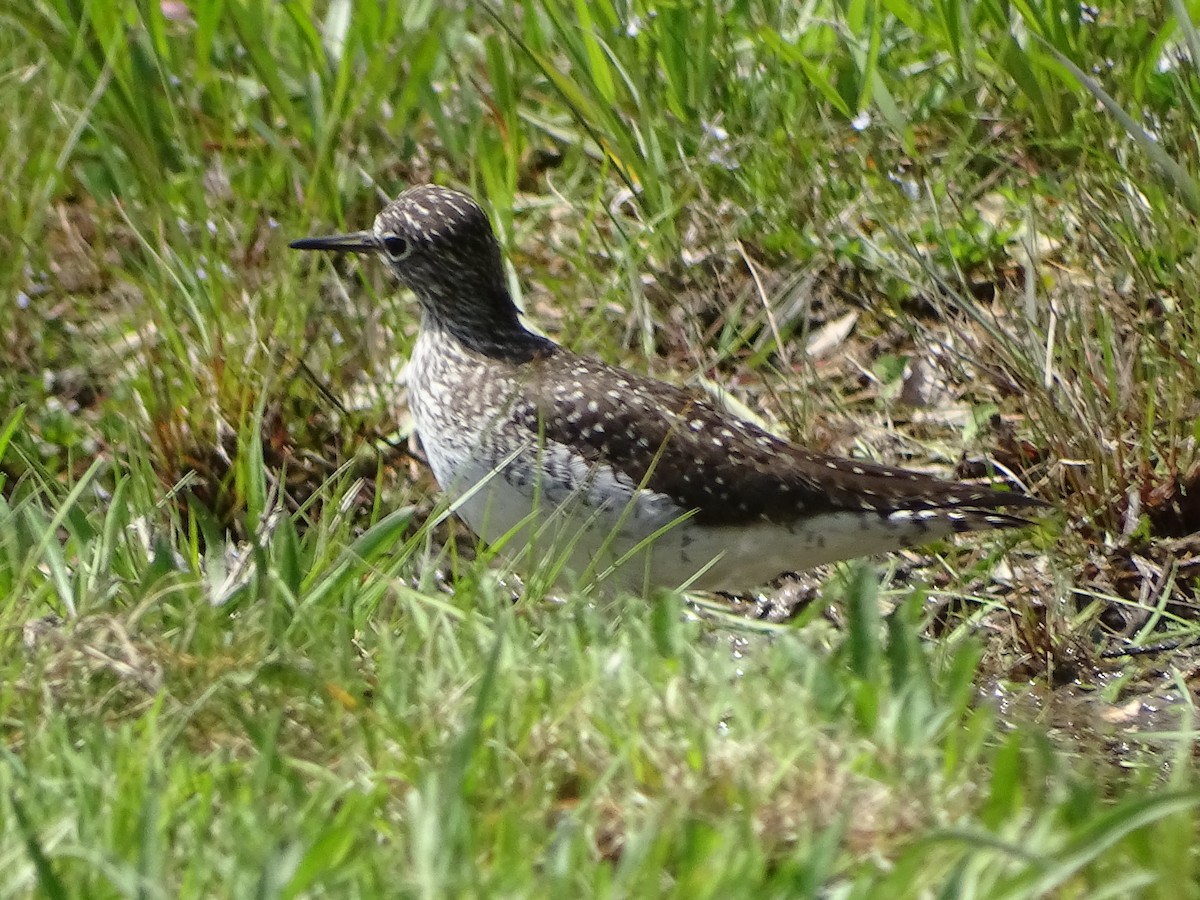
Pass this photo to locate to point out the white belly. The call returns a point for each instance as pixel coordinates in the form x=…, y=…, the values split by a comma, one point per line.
x=582, y=524
x=571, y=523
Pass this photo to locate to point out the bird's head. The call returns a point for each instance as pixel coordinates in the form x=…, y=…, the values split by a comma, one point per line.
x=440, y=244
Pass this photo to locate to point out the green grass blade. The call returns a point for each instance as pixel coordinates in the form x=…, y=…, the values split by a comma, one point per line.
x=1177, y=176
x=48, y=880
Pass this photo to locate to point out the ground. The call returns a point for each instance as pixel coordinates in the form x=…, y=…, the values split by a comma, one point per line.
x=247, y=652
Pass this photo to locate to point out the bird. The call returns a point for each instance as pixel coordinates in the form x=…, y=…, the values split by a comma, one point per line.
x=598, y=475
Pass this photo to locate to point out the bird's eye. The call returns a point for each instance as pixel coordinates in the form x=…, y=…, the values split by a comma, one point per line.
x=395, y=247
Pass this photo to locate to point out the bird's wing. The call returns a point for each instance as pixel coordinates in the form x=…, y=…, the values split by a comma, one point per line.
x=663, y=438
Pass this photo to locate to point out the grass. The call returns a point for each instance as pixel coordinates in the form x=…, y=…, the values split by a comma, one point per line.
x=246, y=654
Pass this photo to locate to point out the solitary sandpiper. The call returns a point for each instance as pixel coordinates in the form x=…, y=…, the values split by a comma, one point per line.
x=597, y=472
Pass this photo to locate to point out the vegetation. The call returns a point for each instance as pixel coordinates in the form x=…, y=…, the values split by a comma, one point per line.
x=244, y=651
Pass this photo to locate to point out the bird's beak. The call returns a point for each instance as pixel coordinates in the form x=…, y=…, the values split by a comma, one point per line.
x=355, y=242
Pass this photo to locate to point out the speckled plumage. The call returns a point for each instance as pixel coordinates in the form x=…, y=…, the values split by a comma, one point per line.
x=602, y=472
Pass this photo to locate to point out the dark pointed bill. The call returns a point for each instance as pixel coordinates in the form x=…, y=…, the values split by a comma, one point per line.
x=355, y=242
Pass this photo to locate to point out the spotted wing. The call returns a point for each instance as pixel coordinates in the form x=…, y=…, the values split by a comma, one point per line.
x=730, y=471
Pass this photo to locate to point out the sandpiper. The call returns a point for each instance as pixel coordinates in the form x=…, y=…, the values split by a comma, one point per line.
x=602, y=474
